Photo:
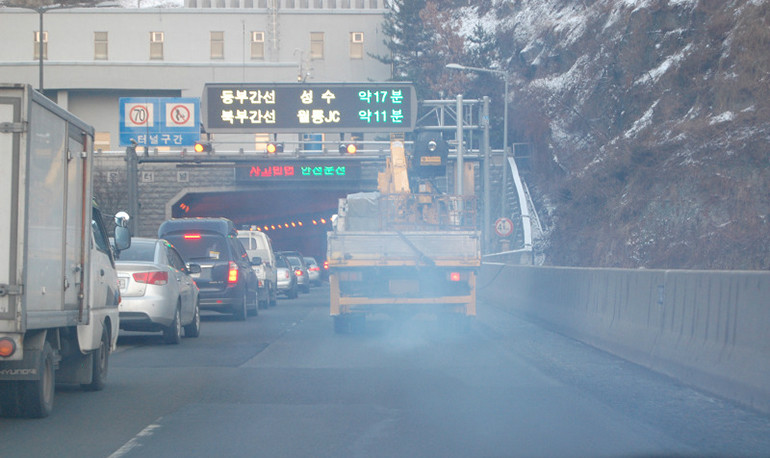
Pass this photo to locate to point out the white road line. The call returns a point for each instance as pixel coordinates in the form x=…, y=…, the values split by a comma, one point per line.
x=136, y=441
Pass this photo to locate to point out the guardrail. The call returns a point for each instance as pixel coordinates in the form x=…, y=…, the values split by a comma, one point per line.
x=708, y=329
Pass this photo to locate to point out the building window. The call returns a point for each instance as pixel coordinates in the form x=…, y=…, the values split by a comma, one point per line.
x=217, y=45
x=102, y=141
x=156, y=45
x=261, y=141
x=316, y=45
x=37, y=45
x=100, y=46
x=257, y=45
x=357, y=45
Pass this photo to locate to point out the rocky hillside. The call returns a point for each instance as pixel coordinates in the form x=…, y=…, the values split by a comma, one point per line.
x=651, y=121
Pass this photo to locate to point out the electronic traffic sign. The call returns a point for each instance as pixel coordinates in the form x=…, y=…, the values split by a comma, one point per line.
x=297, y=170
x=309, y=107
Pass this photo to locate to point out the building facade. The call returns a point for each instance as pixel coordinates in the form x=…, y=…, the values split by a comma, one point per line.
x=92, y=57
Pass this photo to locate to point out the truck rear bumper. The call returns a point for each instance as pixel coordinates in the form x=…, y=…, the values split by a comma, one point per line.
x=460, y=304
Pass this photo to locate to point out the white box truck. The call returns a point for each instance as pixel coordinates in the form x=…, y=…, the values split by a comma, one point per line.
x=58, y=286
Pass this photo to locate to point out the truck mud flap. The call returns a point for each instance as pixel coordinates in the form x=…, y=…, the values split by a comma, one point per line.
x=76, y=369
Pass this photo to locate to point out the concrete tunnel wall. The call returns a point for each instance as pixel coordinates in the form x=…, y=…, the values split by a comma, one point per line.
x=708, y=329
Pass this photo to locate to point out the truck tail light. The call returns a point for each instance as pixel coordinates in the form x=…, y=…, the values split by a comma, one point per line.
x=458, y=276
x=232, y=274
x=152, y=278
x=7, y=347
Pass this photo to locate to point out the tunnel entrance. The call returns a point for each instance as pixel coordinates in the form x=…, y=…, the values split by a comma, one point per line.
x=295, y=217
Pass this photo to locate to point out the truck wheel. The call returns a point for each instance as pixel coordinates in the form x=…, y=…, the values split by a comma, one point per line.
x=341, y=324
x=252, y=309
x=273, y=297
x=101, y=360
x=350, y=323
x=194, y=329
x=265, y=303
x=293, y=292
x=172, y=335
x=239, y=309
x=10, y=405
x=37, y=395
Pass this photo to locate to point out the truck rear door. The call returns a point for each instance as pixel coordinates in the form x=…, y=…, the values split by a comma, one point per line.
x=10, y=138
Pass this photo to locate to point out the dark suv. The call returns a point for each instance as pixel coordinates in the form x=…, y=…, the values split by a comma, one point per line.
x=227, y=281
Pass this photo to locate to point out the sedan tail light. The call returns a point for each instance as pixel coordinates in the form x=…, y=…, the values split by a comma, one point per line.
x=152, y=278
x=298, y=272
x=232, y=274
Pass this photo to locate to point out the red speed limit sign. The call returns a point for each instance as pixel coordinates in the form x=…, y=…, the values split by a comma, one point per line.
x=503, y=227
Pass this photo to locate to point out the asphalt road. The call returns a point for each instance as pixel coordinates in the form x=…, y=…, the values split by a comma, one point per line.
x=283, y=384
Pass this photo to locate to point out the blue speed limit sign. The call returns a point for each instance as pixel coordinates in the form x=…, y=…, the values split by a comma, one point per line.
x=503, y=227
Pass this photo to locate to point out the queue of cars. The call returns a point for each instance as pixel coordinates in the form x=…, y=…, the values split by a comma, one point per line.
x=204, y=264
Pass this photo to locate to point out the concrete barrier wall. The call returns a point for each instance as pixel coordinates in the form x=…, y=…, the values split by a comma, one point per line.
x=707, y=329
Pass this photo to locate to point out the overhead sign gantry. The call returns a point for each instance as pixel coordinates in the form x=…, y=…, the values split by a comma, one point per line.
x=309, y=107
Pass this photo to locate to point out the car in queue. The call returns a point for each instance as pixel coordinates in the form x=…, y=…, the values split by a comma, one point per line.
x=157, y=291
x=287, y=281
x=313, y=270
x=227, y=281
x=258, y=245
x=297, y=262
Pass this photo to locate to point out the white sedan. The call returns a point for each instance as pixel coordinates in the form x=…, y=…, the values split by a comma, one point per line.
x=157, y=291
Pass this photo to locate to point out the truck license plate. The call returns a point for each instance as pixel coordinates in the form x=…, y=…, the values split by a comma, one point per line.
x=404, y=286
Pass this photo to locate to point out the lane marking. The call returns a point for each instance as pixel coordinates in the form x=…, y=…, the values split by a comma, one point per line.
x=136, y=440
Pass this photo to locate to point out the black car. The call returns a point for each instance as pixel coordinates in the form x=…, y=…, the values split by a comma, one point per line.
x=227, y=281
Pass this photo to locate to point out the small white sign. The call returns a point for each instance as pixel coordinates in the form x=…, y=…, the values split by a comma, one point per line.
x=503, y=227
x=139, y=115
x=180, y=114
